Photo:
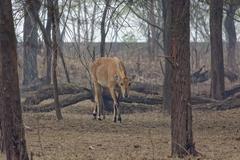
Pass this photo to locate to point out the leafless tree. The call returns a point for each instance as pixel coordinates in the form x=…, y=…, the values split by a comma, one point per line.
x=11, y=112
x=56, y=51
x=30, y=70
x=231, y=35
x=181, y=110
x=217, y=65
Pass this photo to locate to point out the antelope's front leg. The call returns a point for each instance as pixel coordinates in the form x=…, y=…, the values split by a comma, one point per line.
x=115, y=104
x=96, y=111
x=102, y=106
x=118, y=107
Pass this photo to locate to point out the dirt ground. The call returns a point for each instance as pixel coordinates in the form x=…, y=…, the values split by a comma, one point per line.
x=141, y=135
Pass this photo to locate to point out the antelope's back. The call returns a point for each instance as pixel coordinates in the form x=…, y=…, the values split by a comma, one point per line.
x=104, y=69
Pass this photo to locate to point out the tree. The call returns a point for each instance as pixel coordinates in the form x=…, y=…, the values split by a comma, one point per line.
x=103, y=29
x=11, y=113
x=231, y=35
x=217, y=65
x=152, y=36
x=56, y=52
x=30, y=71
x=46, y=32
x=181, y=111
x=48, y=46
x=167, y=93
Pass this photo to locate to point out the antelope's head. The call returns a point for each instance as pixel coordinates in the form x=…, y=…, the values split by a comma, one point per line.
x=124, y=84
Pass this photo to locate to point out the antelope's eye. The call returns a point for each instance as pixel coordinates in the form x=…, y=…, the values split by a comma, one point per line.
x=129, y=84
x=121, y=84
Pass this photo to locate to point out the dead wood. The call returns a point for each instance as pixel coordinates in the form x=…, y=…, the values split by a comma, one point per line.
x=202, y=100
x=46, y=92
x=146, y=88
x=232, y=91
x=68, y=100
x=74, y=93
x=202, y=75
x=85, y=95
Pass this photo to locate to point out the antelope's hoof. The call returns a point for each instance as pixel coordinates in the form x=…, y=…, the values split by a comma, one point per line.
x=94, y=116
x=114, y=119
x=120, y=119
x=99, y=118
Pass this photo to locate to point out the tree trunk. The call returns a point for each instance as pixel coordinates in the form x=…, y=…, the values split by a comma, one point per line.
x=30, y=38
x=10, y=108
x=167, y=92
x=231, y=35
x=153, y=33
x=181, y=111
x=48, y=47
x=103, y=30
x=56, y=51
x=217, y=65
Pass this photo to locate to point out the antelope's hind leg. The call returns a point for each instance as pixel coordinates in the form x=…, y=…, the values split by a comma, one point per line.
x=115, y=104
x=96, y=110
x=102, y=107
x=119, y=113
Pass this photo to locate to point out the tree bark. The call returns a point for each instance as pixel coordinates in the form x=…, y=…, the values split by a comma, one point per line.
x=103, y=30
x=56, y=51
x=46, y=92
x=167, y=92
x=153, y=33
x=48, y=46
x=217, y=65
x=10, y=108
x=30, y=38
x=181, y=110
x=231, y=35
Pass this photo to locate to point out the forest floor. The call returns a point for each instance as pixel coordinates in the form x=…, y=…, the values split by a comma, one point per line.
x=141, y=135
x=144, y=133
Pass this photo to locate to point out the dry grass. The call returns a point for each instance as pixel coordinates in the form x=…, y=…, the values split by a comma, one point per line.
x=141, y=136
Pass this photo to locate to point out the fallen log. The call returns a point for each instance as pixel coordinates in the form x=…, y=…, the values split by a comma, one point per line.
x=201, y=76
x=202, y=100
x=146, y=88
x=46, y=92
x=232, y=91
x=75, y=98
x=136, y=100
x=69, y=100
x=229, y=103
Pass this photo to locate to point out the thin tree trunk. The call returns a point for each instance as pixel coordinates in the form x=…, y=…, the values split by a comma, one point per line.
x=48, y=47
x=103, y=32
x=181, y=111
x=231, y=38
x=56, y=50
x=167, y=92
x=30, y=71
x=62, y=43
x=217, y=65
x=10, y=108
x=153, y=33
x=60, y=46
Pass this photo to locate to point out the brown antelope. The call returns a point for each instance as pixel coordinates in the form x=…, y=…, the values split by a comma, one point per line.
x=109, y=72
